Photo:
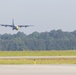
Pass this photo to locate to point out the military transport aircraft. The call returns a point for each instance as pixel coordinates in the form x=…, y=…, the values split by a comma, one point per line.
x=15, y=27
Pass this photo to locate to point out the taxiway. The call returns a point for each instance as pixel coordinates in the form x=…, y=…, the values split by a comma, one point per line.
x=37, y=69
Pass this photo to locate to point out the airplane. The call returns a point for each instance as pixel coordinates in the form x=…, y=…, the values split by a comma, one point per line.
x=15, y=27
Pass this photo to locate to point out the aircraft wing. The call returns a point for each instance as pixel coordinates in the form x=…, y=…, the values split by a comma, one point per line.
x=6, y=25
x=25, y=25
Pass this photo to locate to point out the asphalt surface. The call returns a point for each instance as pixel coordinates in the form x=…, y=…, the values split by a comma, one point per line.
x=37, y=69
x=37, y=57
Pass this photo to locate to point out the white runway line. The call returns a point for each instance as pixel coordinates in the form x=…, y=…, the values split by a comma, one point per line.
x=37, y=69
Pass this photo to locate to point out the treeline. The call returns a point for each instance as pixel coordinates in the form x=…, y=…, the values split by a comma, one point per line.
x=53, y=40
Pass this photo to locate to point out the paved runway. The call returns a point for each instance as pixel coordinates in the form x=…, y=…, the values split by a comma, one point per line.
x=37, y=69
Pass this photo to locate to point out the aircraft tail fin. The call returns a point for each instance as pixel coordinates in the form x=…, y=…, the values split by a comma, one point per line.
x=13, y=22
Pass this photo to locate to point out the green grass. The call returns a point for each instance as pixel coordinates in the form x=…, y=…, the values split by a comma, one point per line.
x=39, y=61
x=39, y=53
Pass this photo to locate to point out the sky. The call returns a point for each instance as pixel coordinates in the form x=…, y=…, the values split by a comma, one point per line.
x=45, y=15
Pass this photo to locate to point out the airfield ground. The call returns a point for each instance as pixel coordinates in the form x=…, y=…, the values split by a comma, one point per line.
x=47, y=57
x=38, y=60
x=39, y=53
x=37, y=69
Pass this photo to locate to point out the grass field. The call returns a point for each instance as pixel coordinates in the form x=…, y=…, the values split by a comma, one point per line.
x=38, y=53
x=38, y=60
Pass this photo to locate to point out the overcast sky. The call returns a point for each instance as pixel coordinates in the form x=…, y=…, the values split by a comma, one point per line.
x=46, y=15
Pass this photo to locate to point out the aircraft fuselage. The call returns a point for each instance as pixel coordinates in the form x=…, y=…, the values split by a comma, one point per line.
x=15, y=28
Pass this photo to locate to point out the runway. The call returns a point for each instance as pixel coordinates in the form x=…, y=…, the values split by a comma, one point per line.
x=37, y=69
